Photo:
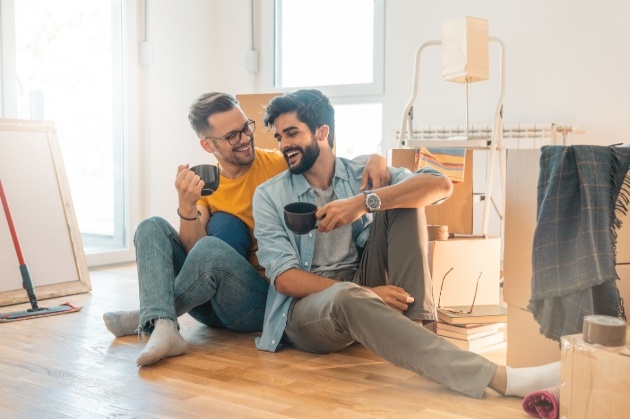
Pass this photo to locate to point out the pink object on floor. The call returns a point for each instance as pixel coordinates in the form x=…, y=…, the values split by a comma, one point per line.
x=543, y=404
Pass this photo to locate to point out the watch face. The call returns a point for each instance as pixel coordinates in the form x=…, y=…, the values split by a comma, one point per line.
x=373, y=202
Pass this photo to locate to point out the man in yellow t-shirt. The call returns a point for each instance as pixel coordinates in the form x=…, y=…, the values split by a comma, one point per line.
x=203, y=268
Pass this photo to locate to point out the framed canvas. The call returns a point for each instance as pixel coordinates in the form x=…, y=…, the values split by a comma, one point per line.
x=38, y=197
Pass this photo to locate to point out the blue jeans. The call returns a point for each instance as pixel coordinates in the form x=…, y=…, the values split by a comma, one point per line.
x=213, y=282
x=231, y=230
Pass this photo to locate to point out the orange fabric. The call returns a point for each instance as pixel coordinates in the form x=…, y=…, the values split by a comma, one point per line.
x=235, y=196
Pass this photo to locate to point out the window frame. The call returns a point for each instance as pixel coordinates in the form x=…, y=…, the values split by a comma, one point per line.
x=126, y=120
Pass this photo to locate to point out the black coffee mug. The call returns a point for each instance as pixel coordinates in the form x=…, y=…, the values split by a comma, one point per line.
x=300, y=217
x=210, y=176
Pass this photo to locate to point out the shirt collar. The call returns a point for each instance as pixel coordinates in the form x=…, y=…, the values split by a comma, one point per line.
x=301, y=186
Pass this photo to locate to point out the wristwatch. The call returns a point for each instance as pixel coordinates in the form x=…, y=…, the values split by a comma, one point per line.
x=372, y=201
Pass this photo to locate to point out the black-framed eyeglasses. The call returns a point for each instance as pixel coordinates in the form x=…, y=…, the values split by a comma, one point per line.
x=450, y=310
x=235, y=136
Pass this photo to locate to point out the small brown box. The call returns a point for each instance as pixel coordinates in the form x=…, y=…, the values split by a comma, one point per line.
x=595, y=380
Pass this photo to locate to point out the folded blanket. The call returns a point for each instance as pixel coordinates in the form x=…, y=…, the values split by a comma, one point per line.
x=543, y=403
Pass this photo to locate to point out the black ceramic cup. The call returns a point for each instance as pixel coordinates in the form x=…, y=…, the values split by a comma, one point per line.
x=300, y=217
x=210, y=176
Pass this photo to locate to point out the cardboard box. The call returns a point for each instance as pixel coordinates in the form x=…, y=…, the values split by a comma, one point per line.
x=624, y=284
x=520, y=222
x=457, y=211
x=623, y=239
x=595, y=380
x=254, y=105
x=526, y=347
x=468, y=257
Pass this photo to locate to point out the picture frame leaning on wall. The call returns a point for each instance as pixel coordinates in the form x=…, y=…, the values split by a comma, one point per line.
x=38, y=194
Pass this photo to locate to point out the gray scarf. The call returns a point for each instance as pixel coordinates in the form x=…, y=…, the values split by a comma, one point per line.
x=574, y=248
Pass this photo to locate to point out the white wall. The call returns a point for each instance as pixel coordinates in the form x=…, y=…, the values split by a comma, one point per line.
x=199, y=46
x=567, y=62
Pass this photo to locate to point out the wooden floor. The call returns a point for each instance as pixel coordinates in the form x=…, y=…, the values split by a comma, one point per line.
x=70, y=366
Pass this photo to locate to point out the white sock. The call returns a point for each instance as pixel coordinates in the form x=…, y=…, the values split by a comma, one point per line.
x=164, y=341
x=522, y=381
x=122, y=323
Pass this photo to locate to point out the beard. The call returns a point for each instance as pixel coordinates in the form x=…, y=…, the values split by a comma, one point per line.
x=309, y=157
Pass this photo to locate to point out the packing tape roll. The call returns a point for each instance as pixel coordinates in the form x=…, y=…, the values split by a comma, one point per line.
x=438, y=232
x=604, y=330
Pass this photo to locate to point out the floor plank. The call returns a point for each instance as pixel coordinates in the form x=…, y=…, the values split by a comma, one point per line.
x=70, y=366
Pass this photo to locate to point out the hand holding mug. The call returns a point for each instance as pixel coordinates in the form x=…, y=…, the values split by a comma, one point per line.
x=210, y=176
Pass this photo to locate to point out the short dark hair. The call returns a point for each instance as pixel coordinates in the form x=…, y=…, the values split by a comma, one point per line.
x=311, y=106
x=206, y=105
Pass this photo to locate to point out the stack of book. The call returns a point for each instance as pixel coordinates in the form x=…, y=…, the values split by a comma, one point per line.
x=479, y=331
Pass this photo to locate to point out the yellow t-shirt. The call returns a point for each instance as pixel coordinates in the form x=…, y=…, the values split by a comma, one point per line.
x=235, y=196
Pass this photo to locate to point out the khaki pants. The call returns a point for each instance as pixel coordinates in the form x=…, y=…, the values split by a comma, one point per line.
x=332, y=319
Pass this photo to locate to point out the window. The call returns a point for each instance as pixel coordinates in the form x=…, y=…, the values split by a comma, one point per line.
x=330, y=43
x=62, y=62
x=338, y=48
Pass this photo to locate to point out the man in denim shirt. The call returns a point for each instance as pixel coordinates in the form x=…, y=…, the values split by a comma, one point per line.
x=333, y=286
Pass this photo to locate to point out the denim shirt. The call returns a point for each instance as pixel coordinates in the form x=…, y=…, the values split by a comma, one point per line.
x=279, y=249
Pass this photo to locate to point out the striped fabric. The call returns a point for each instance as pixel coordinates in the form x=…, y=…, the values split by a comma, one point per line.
x=449, y=161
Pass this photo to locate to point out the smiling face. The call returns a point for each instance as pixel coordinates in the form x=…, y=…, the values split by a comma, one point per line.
x=296, y=142
x=228, y=125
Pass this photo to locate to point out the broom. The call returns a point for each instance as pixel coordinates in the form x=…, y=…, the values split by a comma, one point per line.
x=27, y=283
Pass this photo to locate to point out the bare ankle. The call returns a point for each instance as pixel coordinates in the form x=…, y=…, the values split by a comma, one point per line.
x=498, y=382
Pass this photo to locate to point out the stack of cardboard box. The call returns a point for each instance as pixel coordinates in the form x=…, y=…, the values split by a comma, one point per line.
x=525, y=345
